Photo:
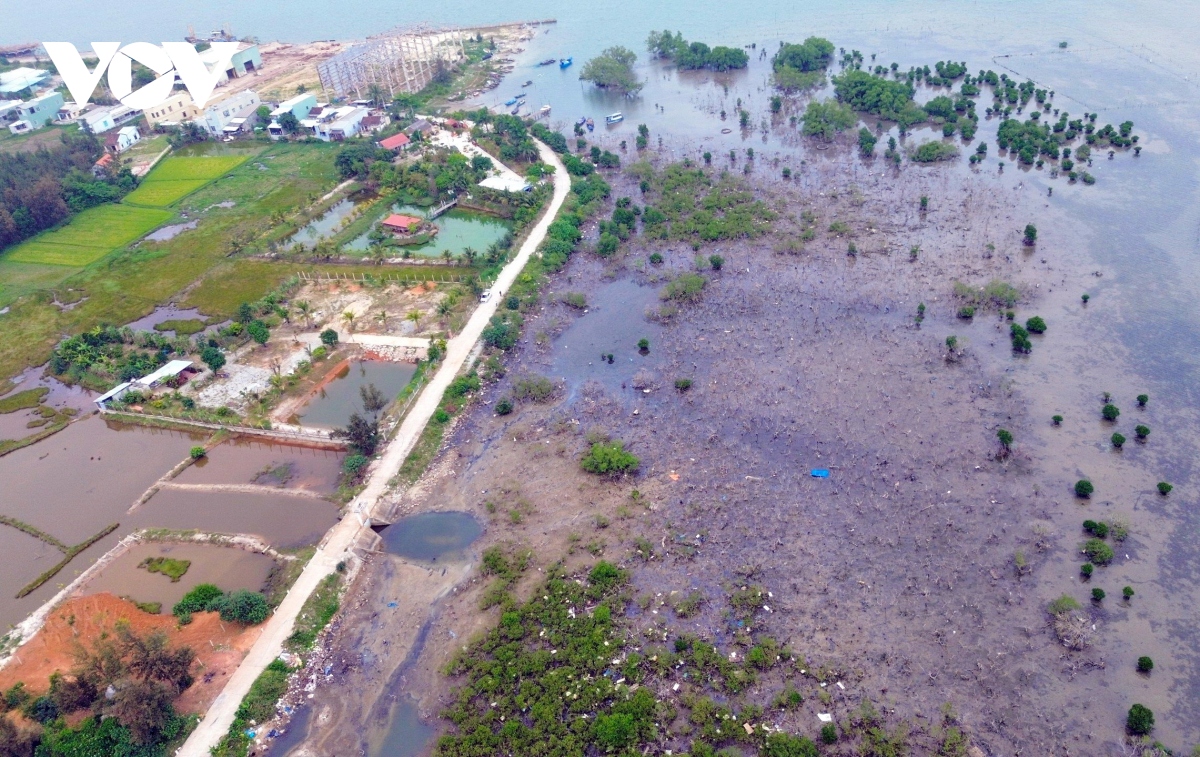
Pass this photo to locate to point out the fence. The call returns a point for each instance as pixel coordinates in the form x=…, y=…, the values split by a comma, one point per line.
x=295, y=433
x=384, y=275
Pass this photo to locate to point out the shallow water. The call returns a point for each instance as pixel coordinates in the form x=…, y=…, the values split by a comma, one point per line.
x=227, y=567
x=407, y=734
x=335, y=402
x=165, y=313
x=431, y=536
x=167, y=233
x=246, y=461
x=326, y=224
x=613, y=323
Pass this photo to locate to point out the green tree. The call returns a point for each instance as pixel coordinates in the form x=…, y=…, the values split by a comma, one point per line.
x=609, y=458
x=289, y=123
x=362, y=434
x=613, y=69
x=1006, y=438
x=213, y=358
x=329, y=338
x=1030, y=233
x=246, y=607
x=1084, y=488
x=826, y=118
x=866, y=142
x=1140, y=720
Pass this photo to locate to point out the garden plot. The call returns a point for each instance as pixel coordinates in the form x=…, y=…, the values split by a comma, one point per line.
x=89, y=236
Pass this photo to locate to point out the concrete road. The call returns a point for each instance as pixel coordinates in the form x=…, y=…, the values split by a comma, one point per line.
x=338, y=541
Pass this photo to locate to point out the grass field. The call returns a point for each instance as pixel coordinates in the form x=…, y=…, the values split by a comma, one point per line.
x=128, y=284
x=160, y=194
x=89, y=236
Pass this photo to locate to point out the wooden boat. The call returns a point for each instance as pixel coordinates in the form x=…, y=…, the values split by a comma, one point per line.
x=591, y=124
x=528, y=83
x=547, y=62
x=614, y=118
x=565, y=62
x=511, y=102
x=582, y=120
x=545, y=110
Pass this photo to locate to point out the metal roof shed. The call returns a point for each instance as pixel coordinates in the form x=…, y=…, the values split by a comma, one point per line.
x=171, y=369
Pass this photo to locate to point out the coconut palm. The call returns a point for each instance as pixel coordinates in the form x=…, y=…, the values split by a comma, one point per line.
x=304, y=307
x=469, y=254
x=382, y=317
x=349, y=317
x=376, y=94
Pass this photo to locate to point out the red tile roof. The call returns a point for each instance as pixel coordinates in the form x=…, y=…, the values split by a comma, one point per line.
x=395, y=142
x=397, y=221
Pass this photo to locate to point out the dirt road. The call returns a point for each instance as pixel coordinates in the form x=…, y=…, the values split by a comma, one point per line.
x=337, y=543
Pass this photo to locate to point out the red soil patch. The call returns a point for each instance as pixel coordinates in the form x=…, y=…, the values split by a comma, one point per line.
x=219, y=646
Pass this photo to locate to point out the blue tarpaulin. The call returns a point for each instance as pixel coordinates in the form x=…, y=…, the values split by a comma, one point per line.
x=820, y=473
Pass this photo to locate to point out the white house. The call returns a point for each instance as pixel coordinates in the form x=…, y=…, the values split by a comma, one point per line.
x=122, y=139
x=100, y=120
x=70, y=112
x=217, y=115
x=174, y=110
x=346, y=124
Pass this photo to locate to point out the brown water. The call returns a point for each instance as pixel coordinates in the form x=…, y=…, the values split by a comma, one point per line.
x=283, y=521
x=246, y=461
x=336, y=401
x=228, y=567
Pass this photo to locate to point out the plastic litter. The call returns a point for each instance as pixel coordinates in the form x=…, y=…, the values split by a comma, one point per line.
x=824, y=717
x=393, y=604
x=820, y=473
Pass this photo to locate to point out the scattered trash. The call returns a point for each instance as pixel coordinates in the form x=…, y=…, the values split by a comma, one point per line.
x=824, y=717
x=749, y=728
x=820, y=473
x=840, y=686
x=392, y=604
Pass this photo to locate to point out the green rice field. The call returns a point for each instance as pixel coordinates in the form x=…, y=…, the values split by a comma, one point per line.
x=179, y=176
x=89, y=236
x=160, y=194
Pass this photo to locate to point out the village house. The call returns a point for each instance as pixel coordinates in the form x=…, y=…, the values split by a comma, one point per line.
x=395, y=143
x=101, y=167
x=122, y=139
x=21, y=78
x=70, y=112
x=374, y=123
x=402, y=224
x=346, y=122
x=36, y=113
x=216, y=116
x=299, y=106
x=173, y=111
x=100, y=120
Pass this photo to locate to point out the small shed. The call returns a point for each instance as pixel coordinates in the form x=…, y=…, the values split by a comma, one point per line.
x=505, y=183
x=116, y=393
x=167, y=372
x=402, y=224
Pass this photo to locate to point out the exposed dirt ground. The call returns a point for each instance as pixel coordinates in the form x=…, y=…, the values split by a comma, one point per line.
x=219, y=646
x=897, y=571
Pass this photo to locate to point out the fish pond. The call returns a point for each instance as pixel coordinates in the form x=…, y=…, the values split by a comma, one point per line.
x=334, y=403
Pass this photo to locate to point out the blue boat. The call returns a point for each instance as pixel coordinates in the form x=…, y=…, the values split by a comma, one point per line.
x=511, y=102
x=565, y=62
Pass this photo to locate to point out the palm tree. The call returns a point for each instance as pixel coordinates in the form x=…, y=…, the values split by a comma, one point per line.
x=376, y=94
x=349, y=317
x=414, y=316
x=305, y=309
x=382, y=317
x=469, y=254
x=447, y=255
x=377, y=253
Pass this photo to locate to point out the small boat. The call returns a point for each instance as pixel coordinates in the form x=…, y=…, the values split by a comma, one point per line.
x=565, y=62
x=614, y=118
x=582, y=120
x=519, y=96
x=547, y=62
x=515, y=110
x=545, y=111
x=528, y=83
x=511, y=102
x=591, y=124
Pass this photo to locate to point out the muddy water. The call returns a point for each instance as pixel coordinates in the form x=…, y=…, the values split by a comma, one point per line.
x=430, y=537
x=168, y=313
x=613, y=323
x=227, y=567
x=335, y=402
x=283, y=521
x=246, y=461
x=72, y=485
x=457, y=230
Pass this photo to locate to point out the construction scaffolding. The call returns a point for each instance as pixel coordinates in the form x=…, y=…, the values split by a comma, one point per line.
x=403, y=60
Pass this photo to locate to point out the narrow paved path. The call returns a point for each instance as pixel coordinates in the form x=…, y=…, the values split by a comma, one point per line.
x=245, y=489
x=341, y=538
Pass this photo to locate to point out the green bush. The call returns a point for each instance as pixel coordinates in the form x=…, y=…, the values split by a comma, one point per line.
x=1036, y=325
x=1098, y=552
x=353, y=464
x=1164, y=488
x=683, y=384
x=1058, y=419
x=246, y=607
x=1127, y=592
x=1087, y=569
x=643, y=345
x=1142, y=431
x=829, y=734
x=329, y=338
x=786, y=745
x=504, y=406
x=1098, y=594
x=1110, y=412
x=198, y=452
x=1084, y=488
x=1005, y=437
x=1099, y=530
x=1145, y=664
x=966, y=312
x=1142, y=399
x=1140, y=720
x=196, y=600
x=1085, y=297
x=609, y=458
x=441, y=416
x=1118, y=441
x=656, y=258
